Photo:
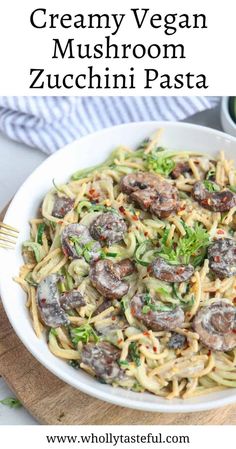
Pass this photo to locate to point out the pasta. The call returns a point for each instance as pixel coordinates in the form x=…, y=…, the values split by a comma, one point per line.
x=123, y=271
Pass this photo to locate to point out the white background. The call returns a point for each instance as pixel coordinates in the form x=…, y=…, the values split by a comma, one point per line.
x=210, y=51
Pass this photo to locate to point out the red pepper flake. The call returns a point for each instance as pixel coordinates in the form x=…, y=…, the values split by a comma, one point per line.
x=135, y=218
x=43, y=301
x=209, y=353
x=65, y=252
x=146, y=333
x=113, y=318
x=93, y=194
x=122, y=209
x=145, y=233
x=149, y=269
x=217, y=259
x=119, y=341
x=220, y=231
x=234, y=300
x=234, y=331
x=154, y=348
x=60, y=222
x=147, y=347
x=132, y=310
x=181, y=208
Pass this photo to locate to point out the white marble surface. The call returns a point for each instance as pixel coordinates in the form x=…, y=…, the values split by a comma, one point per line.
x=17, y=161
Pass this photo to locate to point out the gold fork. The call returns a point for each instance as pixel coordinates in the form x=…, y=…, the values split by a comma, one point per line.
x=8, y=236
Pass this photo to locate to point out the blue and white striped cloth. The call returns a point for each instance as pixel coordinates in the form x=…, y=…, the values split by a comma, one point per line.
x=48, y=123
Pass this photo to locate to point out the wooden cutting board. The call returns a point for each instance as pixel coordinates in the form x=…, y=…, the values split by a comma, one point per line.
x=51, y=401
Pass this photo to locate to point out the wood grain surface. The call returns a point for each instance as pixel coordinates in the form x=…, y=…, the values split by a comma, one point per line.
x=51, y=401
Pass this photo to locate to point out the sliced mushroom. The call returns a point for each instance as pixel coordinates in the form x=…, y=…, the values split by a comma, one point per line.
x=52, y=305
x=170, y=273
x=214, y=201
x=71, y=300
x=222, y=257
x=216, y=326
x=154, y=319
x=181, y=168
x=62, y=205
x=75, y=238
x=124, y=268
x=138, y=181
x=102, y=359
x=107, y=280
x=108, y=228
x=151, y=192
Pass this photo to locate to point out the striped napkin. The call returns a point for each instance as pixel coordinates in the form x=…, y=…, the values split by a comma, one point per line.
x=49, y=123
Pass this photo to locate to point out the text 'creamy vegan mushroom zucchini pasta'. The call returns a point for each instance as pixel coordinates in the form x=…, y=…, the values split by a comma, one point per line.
x=131, y=271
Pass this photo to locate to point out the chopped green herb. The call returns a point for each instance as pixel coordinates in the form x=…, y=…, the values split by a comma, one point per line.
x=137, y=387
x=11, y=402
x=74, y=364
x=210, y=174
x=146, y=309
x=40, y=232
x=53, y=331
x=134, y=353
x=159, y=163
x=123, y=362
x=189, y=247
x=124, y=304
x=232, y=188
x=211, y=186
x=83, y=333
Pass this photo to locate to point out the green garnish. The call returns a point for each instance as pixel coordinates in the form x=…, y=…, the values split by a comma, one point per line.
x=40, y=232
x=111, y=254
x=188, y=246
x=155, y=307
x=11, y=402
x=83, y=333
x=146, y=309
x=53, y=331
x=134, y=353
x=210, y=174
x=162, y=164
x=123, y=363
x=137, y=387
x=211, y=186
x=124, y=304
x=232, y=188
x=74, y=364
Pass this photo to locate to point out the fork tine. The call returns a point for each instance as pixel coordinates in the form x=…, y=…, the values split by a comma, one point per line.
x=4, y=225
x=5, y=239
x=10, y=233
x=4, y=245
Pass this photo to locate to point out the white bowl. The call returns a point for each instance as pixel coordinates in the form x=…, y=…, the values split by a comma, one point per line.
x=228, y=125
x=88, y=151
